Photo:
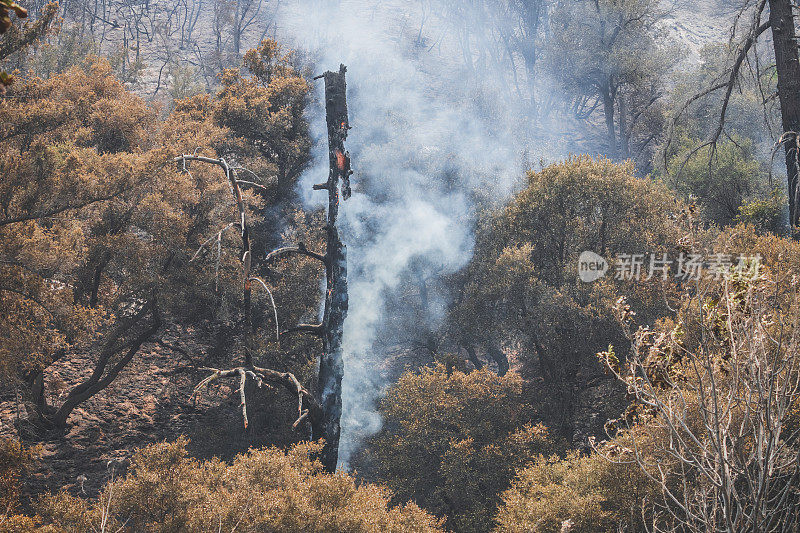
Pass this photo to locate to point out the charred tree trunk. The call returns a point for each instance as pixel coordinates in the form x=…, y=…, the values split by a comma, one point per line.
x=499, y=357
x=96, y=279
x=122, y=344
x=784, y=41
x=608, y=111
x=323, y=410
x=473, y=357
x=331, y=366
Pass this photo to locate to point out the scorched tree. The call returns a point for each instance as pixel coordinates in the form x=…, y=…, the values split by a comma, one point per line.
x=323, y=410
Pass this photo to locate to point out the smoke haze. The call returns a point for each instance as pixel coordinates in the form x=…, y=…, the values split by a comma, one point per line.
x=424, y=136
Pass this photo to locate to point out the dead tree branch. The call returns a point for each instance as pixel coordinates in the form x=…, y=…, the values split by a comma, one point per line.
x=274, y=308
x=314, y=329
x=728, y=83
x=300, y=249
x=307, y=405
x=713, y=428
x=259, y=375
x=246, y=254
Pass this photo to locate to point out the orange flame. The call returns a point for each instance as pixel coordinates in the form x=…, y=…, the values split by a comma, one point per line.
x=341, y=160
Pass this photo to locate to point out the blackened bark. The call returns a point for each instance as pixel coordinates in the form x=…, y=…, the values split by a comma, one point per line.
x=473, y=357
x=608, y=109
x=331, y=367
x=325, y=413
x=499, y=357
x=97, y=278
x=115, y=344
x=39, y=398
x=788, y=69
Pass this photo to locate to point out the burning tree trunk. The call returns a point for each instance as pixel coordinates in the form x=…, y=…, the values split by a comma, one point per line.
x=323, y=410
x=331, y=367
x=331, y=364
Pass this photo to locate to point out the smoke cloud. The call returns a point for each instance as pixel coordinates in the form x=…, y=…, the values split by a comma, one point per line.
x=424, y=137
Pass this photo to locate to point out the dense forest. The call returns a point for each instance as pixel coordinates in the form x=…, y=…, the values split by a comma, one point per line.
x=421, y=265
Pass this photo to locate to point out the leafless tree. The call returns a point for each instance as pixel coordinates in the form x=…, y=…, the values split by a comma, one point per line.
x=188, y=14
x=714, y=406
x=496, y=38
x=245, y=15
x=221, y=19
x=761, y=16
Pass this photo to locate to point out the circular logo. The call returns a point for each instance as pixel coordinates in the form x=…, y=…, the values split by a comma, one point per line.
x=591, y=267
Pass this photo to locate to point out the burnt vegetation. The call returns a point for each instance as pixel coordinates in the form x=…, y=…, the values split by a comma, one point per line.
x=244, y=288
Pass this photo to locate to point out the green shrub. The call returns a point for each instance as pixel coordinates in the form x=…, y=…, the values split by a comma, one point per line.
x=453, y=441
x=765, y=214
x=575, y=494
x=15, y=461
x=721, y=180
x=262, y=490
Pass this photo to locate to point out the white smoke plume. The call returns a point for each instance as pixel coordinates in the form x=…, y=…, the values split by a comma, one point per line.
x=422, y=140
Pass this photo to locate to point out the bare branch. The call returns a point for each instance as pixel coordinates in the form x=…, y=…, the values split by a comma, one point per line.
x=734, y=75
x=286, y=379
x=242, y=382
x=712, y=430
x=314, y=329
x=728, y=84
x=217, y=236
x=246, y=256
x=274, y=308
x=299, y=249
x=251, y=183
x=210, y=160
x=252, y=173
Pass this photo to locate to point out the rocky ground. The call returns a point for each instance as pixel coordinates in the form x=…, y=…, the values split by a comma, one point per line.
x=694, y=25
x=150, y=401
